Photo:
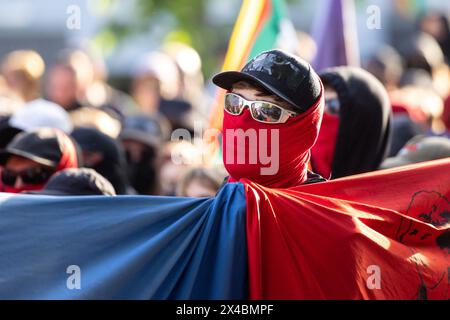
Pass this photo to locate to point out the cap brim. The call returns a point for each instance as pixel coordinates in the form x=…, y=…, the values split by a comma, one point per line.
x=46, y=192
x=5, y=154
x=52, y=192
x=226, y=79
x=394, y=162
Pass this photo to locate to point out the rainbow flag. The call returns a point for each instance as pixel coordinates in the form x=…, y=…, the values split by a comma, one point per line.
x=261, y=25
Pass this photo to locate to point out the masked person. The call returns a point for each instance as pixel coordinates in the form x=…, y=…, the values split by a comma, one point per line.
x=273, y=111
x=105, y=155
x=142, y=137
x=31, y=158
x=355, y=133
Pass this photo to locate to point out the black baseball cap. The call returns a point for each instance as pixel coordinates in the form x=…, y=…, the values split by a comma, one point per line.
x=42, y=146
x=77, y=182
x=285, y=75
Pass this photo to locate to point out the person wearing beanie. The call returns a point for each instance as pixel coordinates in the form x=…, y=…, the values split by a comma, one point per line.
x=273, y=111
x=105, y=155
x=77, y=182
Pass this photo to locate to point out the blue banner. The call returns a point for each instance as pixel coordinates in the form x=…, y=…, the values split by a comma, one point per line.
x=127, y=247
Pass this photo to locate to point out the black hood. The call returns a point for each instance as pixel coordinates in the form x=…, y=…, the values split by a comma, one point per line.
x=113, y=166
x=365, y=121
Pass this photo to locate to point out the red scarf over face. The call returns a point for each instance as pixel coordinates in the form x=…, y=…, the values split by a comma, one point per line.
x=286, y=145
x=323, y=150
x=68, y=160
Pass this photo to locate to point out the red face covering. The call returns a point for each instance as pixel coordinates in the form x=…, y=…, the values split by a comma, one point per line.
x=323, y=150
x=68, y=160
x=273, y=155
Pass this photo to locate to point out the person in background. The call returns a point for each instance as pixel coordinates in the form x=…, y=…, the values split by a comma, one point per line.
x=41, y=113
x=68, y=79
x=189, y=63
x=437, y=25
x=62, y=86
x=23, y=70
x=177, y=158
x=200, y=182
x=419, y=149
x=156, y=87
x=77, y=182
x=98, y=119
x=356, y=127
x=9, y=103
x=403, y=129
x=101, y=95
x=422, y=105
x=105, y=155
x=387, y=66
x=31, y=158
x=422, y=51
x=35, y=114
x=7, y=132
x=142, y=138
x=72, y=84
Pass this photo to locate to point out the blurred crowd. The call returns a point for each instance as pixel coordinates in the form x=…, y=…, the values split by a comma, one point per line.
x=64, y=130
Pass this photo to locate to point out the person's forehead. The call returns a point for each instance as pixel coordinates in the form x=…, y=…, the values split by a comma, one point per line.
x=250, y=88
x=253, y=94
x=17, y=162
x=62, y=70
x=242, y=89
x=135, y=145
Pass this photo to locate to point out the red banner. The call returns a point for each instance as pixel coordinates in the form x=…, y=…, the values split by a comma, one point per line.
x=383, y=235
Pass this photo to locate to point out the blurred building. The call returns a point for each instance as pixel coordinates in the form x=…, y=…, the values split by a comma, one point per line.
x=42, y=25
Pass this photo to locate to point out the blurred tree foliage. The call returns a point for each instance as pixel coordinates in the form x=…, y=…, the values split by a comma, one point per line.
x=187, y=23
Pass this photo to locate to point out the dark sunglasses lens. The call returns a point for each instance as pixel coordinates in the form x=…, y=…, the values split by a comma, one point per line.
x=36, y=176
x=266, y=112
x=233, y=103
x=8, y=178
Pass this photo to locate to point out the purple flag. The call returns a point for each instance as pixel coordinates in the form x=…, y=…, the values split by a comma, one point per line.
x=335, y=33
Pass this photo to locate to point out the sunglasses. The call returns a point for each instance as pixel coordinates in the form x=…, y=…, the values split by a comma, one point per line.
x=262, y=111
x=33, y=176
x=332, y=106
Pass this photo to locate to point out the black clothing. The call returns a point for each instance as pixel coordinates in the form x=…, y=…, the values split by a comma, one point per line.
x=113, y=163
x=365, y=121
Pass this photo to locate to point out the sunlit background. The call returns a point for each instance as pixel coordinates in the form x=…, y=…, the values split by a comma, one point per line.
x=120, y=30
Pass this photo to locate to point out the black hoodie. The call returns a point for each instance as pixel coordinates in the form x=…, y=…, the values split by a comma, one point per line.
x=113, y=163
x=365, y=121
